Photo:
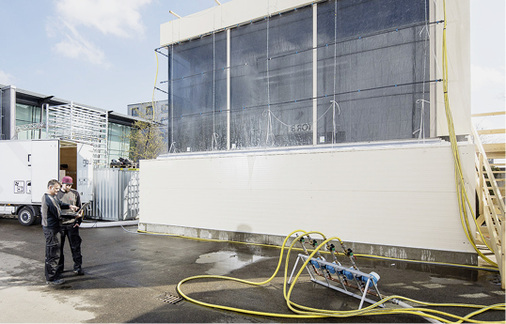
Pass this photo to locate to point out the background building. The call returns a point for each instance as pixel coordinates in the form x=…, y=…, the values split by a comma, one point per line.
x=24, y=113
x=27, y=115
x=316, y=115
x=160, y=114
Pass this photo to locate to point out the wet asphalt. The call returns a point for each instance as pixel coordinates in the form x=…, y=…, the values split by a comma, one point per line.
x=131, y=277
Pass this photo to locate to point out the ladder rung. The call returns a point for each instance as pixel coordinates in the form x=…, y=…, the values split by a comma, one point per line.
x=491, y=131
x=493, y=113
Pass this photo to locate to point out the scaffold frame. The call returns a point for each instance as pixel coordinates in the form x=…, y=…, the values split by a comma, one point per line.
x=80, y=124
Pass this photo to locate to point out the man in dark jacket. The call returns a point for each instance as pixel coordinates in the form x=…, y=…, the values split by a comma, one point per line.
x=70, y=225
x=50, y=212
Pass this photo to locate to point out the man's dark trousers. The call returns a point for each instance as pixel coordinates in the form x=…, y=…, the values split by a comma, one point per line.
x=52, y=252
x=72, y=233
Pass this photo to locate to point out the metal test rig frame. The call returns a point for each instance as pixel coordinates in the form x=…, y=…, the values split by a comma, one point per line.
x=348, y=280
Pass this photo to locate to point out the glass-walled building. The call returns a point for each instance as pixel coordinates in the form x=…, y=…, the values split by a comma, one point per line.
x=118, y=140
x=310, y=75
x=24, y=118
x=29, y=115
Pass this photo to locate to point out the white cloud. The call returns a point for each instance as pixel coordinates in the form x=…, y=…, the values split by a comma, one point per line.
x=115, y=17
x=75, y=46
x=75, y=18
x=6, y=78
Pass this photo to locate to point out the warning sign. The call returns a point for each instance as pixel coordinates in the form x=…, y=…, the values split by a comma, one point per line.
x=19, y=186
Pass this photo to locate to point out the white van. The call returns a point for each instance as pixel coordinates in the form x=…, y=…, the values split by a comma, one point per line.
x=26, y=166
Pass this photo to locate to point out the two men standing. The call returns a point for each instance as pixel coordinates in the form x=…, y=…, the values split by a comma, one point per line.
x=57, y=224
x=70, y=225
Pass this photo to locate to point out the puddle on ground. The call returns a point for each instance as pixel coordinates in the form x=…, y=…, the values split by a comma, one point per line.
x=225, y=262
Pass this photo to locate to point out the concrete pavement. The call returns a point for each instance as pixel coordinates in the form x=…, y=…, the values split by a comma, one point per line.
x=130, y=278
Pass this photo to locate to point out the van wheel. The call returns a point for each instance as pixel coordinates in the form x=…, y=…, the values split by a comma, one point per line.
x=26, y=216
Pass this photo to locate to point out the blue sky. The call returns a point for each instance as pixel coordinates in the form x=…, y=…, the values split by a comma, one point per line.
x=93, y=52
x=101, y=52
x=488, y=36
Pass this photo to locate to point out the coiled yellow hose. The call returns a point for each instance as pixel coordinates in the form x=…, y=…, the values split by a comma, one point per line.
x=303, y=312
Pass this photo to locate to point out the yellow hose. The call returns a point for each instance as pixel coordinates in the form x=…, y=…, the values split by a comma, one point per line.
x=462, y=195
x=361, y=255
x=303, y=312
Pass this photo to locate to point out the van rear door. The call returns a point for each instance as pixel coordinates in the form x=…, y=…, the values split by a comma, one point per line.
x=45, y=164
x=84, y=166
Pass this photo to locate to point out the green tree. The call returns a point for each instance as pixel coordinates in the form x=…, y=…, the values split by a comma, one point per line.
x=146, y=141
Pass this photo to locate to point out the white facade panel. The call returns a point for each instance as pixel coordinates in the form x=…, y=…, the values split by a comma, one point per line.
x=238, y=12
x=219, y=17
x=399, y=196
x=459, y=66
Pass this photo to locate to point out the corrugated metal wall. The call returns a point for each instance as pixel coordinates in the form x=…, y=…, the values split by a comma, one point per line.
x=115, y=194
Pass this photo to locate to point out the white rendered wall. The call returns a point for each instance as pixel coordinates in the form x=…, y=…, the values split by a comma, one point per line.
x=459, y=65
x=400, y=195
x=224, y=16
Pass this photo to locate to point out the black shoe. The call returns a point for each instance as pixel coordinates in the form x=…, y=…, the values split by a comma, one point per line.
x=55, y=282
x=79, y=272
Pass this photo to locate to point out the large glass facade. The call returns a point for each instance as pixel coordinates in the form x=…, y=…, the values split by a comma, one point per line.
x=271, y=81
x=26, y=115
x=371, y=74
x=198, y=93
x=118, y=141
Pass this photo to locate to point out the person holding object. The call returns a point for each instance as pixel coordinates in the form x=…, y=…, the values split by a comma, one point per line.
x=70, y=226
x=50, y=213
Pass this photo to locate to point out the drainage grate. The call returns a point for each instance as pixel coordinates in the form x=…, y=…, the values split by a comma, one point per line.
x=169, y=298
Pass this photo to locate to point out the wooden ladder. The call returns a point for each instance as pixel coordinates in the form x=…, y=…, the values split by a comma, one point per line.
x=490, y=191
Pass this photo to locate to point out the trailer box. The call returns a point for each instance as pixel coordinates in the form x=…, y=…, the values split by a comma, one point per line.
x=27, y=166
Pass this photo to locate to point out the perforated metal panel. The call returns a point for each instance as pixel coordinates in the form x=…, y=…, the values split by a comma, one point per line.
x=82, y=125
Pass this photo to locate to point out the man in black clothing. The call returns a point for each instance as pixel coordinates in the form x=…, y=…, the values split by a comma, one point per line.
x=70, y=226
x=50, y=212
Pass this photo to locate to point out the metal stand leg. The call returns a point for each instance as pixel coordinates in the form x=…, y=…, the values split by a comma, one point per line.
x=365, y=293
x=340, y=270
x=294, y=267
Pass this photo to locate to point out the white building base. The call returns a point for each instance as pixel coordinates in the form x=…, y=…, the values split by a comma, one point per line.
x=399, y=195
